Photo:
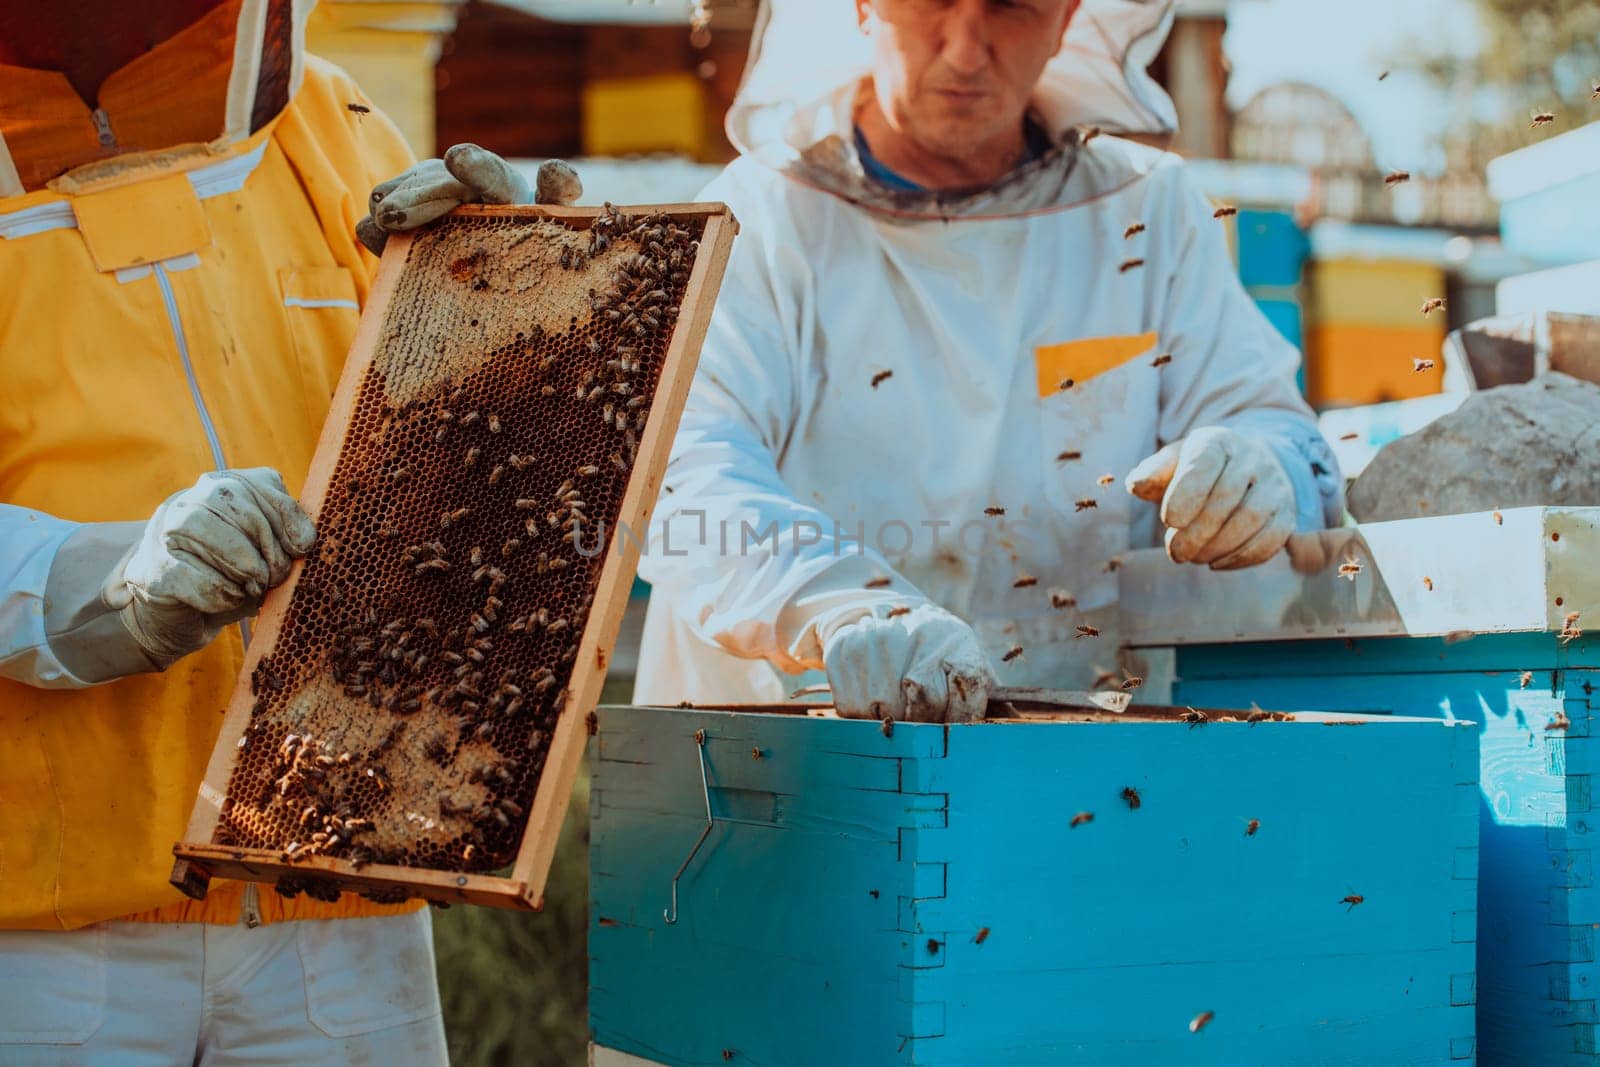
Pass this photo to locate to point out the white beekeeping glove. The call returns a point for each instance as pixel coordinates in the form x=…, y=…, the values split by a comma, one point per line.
x=1225, y=498
x=923, y=665
x=466, y=175
x=201, y=563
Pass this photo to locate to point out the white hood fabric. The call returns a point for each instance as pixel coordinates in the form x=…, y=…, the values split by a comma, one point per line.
x=882, y=374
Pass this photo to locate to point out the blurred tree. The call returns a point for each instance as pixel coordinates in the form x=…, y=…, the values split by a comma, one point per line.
x=1537, y=56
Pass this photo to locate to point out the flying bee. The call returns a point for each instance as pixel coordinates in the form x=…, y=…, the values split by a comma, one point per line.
x=1011, y=653
x=359, y=109
x=1024, y=581
x=1065, y=384
x=1198, y=1023
x=1133, y=230
x=1194, y=717
x=1129, y=264
x=1559, y=722
x=1396, y=177
x=1420, y=365
x=1133, y=681
x=877, y=583
x=1541, y=118
x=895, y=613
x=1105, y=480
x=1352, y=900
x=1131, y=795
x=1162, y=360
x=1087, y=631
x=1432, y=304
x=1526, y=680
x=1225, y=211
x=1348, y=436
x=1349, y=569
x=1428, y=582
x=1499, y=519
x=1085, y=504
x=1251, y=827
x=994, y=509
x=1080, y=818
x=1061, y=601
x=1382, y=76
x=1068, y=455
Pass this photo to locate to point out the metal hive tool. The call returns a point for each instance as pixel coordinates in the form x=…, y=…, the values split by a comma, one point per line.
x=411, y=713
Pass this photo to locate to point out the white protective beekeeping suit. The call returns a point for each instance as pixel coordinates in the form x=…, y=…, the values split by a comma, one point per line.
x=882, y=367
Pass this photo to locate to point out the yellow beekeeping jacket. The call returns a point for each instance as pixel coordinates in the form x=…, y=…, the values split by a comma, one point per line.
x=163, y=313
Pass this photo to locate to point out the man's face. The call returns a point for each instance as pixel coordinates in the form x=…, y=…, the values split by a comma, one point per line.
x=954, y=74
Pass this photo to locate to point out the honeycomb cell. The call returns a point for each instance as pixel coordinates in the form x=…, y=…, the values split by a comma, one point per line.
x=404, y=713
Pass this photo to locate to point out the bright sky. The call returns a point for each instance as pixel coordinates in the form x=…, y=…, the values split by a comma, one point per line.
x=1342, y=46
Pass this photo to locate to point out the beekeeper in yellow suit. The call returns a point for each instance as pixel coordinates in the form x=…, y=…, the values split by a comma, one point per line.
x=969, y=350
x=182, y=282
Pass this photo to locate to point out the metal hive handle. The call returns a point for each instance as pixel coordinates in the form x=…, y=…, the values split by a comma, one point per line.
x=671, y=914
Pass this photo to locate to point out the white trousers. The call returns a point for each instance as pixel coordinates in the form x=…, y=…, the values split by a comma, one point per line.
x=120, y=994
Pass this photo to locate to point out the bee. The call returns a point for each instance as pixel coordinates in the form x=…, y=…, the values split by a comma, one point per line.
x=1560, y=722
x=496, y=474
x=1162, y=360
x=1105, y=480
x=1131, y=795
x=1065, y=384
x=881, y=376
x=471, y=456
x=1352, y=900
x=1011, y=653
x=1194, y=717
x=1133, y=681
x=1348, y=436
x=1129, y=264
x=431, y=565
x=1061, y=601
x=1419, y=365
x=1541, y=118
x=1382, y=76
x=1251, y=827
x=994, y=509
x=1085, y=504
x=359, y=109
x=1133, y=230
x=1427, y=582
x=1226, y=211
x=1349, y=569
x=1499, y=519
x=469, y=418
x=1087, y=631
x=1396, y=177
x=1068, y=456
x=379, y=778
x=494, y=423
x=1432, y=304
x=983, y=935
x=468, y=852
x=1081, y=818
x=887, y=727
x=1596, y=95
x=400, y=474
x=1198, y=1023
x=896, y=612
x=1526, y=680
x=1024, y=581
x=877, y=583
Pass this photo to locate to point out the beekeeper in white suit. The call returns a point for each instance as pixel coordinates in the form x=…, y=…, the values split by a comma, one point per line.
x=959, y=336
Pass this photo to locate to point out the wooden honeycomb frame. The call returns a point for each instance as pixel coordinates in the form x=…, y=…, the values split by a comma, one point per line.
x=201, y=856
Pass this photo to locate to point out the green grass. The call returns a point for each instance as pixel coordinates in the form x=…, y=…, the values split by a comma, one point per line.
x=515, y=985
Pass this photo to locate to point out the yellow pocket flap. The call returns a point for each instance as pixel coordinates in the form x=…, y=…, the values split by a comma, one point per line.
x=1078, y=361
x=318, y=287
x=142, y=223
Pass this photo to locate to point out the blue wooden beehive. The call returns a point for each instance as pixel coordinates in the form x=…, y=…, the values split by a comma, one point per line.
x=936, y=895
x=1459, y=617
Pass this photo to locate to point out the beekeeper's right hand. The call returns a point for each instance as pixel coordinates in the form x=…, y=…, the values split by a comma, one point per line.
x=924, y=665
x=200, y=564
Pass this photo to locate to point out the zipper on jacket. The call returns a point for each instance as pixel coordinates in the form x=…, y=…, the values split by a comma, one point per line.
x=171, y=300
x=250, y=907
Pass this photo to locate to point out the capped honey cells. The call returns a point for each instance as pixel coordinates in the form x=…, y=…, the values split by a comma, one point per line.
x=405, y=712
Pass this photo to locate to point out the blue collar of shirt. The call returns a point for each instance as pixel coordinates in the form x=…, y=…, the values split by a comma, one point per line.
x=1036, y=140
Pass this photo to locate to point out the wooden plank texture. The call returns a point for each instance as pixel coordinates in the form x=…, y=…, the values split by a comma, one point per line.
x=450, y=744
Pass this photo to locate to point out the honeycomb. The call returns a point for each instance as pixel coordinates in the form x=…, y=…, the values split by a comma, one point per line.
x=405, y=710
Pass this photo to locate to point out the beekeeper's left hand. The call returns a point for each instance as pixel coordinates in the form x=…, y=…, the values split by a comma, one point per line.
x=1225, y=498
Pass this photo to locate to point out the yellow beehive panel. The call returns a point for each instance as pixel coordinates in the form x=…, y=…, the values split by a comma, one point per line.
x=1347, y=365
x=646, y=113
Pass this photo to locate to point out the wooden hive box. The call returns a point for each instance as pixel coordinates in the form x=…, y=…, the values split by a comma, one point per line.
x=411, y=713
x=1481, y=640
x=936, y=895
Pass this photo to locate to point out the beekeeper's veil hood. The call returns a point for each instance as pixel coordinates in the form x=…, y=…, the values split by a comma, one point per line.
x=808, y=59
